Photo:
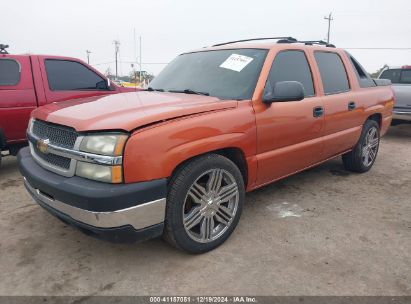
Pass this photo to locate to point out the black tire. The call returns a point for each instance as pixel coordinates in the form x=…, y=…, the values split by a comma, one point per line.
x=181, y=182
x=355, y=160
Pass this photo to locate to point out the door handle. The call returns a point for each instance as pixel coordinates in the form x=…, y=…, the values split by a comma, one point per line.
x=318, y=111
x=351, y=105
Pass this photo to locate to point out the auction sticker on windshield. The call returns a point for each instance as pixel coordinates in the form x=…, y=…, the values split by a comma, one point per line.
x=236, y=62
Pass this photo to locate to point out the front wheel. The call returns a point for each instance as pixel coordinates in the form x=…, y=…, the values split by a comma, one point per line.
x=204, y=203
x=363, y=156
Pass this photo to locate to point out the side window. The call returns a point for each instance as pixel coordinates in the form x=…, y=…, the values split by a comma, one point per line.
x=364, y=79
x=333, y=74
x=291, y=66
x=9, y=72
x=393, y=75
x=406, y=76
x=66, y=75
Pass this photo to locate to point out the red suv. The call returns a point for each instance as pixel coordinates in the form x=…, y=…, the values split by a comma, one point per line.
x=30, y=81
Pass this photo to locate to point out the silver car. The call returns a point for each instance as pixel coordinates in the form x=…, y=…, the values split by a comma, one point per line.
x=401, y=83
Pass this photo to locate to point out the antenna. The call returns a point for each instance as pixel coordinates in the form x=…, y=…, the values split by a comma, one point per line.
x=3, y=48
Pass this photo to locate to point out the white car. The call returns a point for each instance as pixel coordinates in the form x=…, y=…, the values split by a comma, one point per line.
x=401, y=83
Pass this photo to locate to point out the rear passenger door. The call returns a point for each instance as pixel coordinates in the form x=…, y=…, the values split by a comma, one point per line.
x=341, y=107
x=288, y=132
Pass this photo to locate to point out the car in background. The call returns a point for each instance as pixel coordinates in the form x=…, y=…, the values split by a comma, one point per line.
x=119, y=82
x=401, y=83
x=30, y=81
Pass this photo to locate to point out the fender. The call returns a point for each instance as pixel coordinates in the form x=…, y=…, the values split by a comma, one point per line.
x=155, y=152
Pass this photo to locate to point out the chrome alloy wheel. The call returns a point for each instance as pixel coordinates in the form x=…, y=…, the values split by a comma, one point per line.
x=210, y=205
x=370, y=147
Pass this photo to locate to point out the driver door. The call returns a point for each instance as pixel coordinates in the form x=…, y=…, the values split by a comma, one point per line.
x=288, y=132
x=69, y=79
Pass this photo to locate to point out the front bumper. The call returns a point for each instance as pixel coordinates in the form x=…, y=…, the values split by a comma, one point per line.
x=120, y=213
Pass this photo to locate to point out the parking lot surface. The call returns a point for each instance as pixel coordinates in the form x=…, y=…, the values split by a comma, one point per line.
x=324, y=231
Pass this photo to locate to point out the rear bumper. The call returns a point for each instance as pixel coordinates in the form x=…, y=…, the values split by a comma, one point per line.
x=401, y=115
x=119, y=213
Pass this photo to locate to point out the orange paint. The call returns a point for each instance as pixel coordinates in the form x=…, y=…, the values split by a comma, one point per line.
x=274, y=140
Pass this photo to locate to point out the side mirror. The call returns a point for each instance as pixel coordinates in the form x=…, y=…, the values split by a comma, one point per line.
x=109, y=85
x=285, y=91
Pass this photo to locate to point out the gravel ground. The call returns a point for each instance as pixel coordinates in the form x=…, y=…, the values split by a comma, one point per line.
x=321, y=232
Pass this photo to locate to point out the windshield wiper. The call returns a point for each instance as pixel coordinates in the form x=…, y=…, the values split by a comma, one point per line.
x=150, y=89
x=189, y=91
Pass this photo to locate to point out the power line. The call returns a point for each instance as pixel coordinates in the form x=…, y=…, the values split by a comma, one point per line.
x=108, y=62
x=101, y=63
x=379, y=48
x=346, y=48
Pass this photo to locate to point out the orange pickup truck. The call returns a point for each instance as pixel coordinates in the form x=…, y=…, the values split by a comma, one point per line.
x=176, y=159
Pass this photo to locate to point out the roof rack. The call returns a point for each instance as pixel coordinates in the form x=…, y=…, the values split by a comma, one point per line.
x=288, y=39
x=319, y=42
x=3, y=48
x=283, y=40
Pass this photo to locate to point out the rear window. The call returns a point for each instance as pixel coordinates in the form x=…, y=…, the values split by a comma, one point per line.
x=405, y=76
x=333, y=74
x=393, y=75
x=397, y=76
x=9, y=72
x=363, y=78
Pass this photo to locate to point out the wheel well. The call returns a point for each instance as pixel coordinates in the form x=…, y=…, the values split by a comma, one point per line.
x=236, y=155
x=377, y=118
x=2, y=139
x=238, y=158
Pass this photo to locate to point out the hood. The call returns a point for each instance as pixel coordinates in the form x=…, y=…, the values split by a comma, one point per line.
x=127, y=111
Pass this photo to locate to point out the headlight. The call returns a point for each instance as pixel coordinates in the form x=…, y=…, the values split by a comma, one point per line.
x=101, y=173
x=107, y=144
x=102, y=144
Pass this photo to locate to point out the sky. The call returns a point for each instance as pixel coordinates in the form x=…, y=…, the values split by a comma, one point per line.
x=171, y=27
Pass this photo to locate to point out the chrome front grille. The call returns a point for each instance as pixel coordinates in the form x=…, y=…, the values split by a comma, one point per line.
x=53, y=159
x=57, y=148
x=58, y=135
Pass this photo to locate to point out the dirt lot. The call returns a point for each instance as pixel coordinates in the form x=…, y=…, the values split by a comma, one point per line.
x=322, y=232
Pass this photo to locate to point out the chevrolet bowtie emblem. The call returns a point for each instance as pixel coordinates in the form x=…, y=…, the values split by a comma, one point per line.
x=43, y=145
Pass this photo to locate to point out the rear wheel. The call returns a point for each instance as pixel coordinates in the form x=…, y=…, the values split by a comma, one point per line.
x=204, y=203
x=363, y=156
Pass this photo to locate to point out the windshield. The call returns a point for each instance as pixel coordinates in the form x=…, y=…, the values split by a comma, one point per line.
x=226, y=74
x=397, y=76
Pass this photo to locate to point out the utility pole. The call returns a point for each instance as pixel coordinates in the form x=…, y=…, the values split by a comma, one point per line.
x=116, y=49
x=88, y=56
x=140, y=61
x=329, y=18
